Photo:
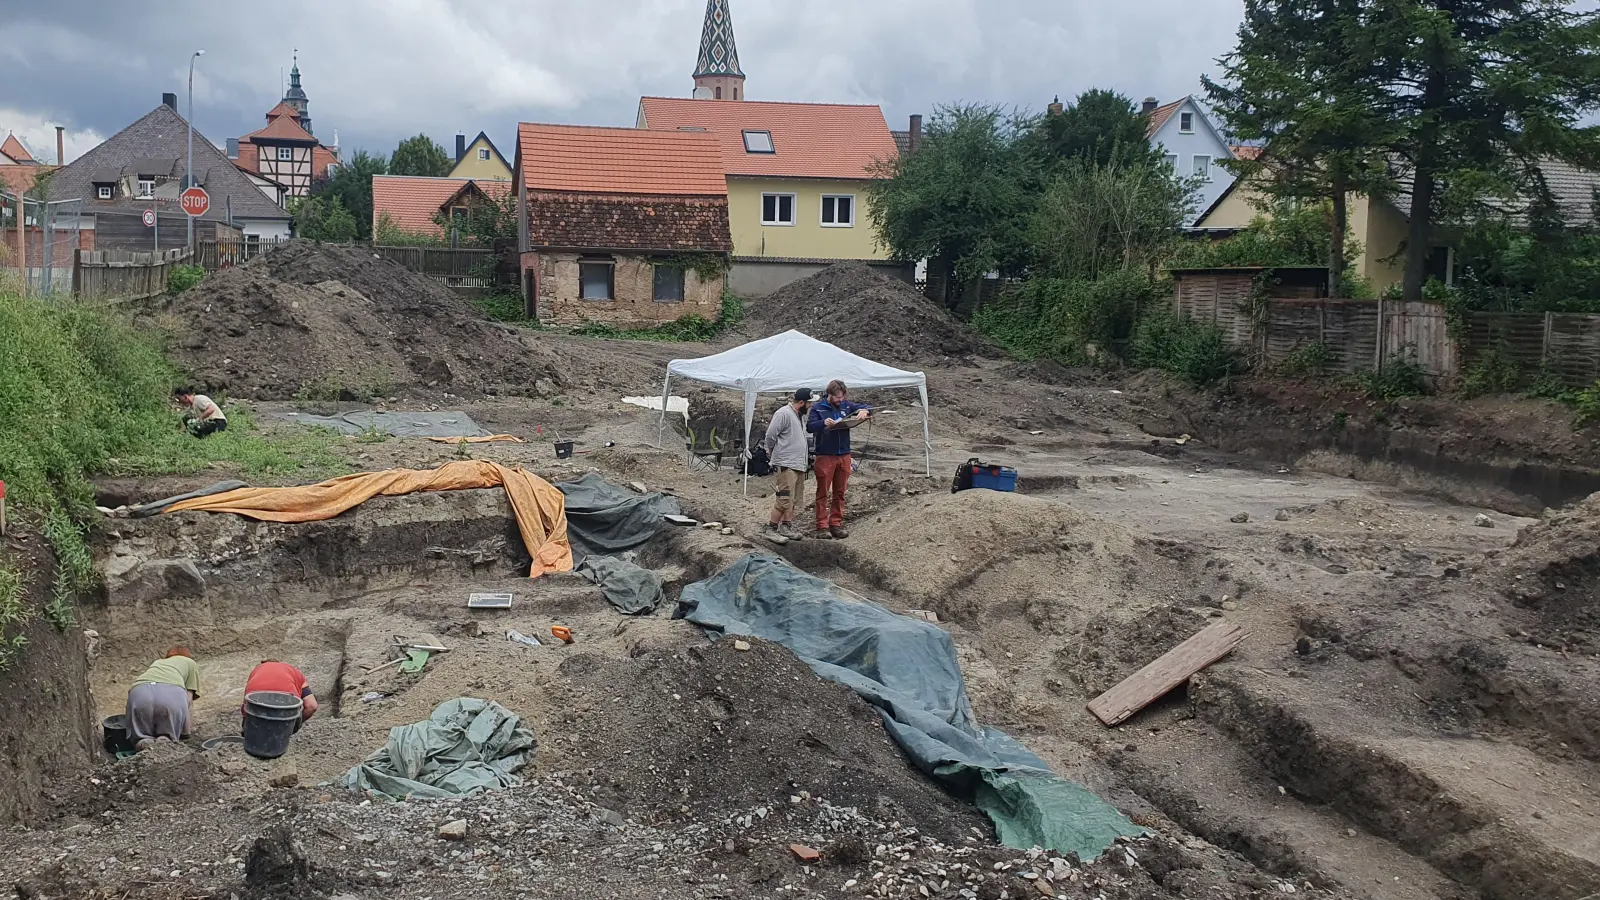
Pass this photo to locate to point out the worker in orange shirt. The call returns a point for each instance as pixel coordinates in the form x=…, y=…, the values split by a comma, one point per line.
x=283, y=678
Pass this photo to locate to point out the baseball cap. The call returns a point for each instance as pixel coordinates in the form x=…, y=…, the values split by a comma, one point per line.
x=803, y=395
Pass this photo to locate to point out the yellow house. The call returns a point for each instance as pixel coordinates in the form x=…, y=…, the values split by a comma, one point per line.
x=1378, y=225
x=479, y=160
x=797, y=181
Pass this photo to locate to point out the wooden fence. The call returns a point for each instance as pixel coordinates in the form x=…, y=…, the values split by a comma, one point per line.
x=116, y=275
x=458, y=268
x=1563, y=345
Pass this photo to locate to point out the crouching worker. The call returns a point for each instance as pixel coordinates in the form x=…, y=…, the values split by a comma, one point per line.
x=201, y=415
x=161, y=700
x=283, y=678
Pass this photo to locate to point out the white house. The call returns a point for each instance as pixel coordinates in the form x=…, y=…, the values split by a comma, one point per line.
x=1193, y=147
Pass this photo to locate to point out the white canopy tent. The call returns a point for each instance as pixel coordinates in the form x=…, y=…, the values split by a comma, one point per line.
x=791, y=360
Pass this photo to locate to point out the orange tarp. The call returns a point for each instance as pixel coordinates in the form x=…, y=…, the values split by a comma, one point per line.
x=540, y=508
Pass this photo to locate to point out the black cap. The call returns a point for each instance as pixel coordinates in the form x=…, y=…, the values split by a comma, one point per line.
x=803, y=395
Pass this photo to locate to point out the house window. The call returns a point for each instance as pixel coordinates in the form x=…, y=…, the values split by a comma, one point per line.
x=839, y=211
x=1171, y=159
x=719, y=93
x=777, y=209
x=103, y=192
x=483, y=154
x=285, y=154
x=1186, y=122
x=596, y=278
x=668, y=285
x=1202, y=167
x=758, y=142
x=147, y=188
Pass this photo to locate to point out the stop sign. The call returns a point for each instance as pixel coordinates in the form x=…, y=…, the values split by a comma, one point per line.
x=195, y=201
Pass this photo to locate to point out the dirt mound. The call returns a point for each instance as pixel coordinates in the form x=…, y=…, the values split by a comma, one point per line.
x=168, y=774
x=325, y=322
x=1553, y=568
x=718, y=729
x=876, y=316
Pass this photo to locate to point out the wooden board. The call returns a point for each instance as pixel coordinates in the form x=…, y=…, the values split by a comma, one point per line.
x=1150, y=683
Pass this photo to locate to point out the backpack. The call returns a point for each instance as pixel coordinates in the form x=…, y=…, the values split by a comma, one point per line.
x=758, y=464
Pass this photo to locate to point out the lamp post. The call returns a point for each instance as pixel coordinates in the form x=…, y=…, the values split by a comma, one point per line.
x=188, y=180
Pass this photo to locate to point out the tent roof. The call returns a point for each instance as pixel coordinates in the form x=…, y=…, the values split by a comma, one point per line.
x=791, y=360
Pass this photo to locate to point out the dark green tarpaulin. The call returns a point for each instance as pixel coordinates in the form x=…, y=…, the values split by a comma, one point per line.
x=606, y=520
x=466, y=747
x=908, y=670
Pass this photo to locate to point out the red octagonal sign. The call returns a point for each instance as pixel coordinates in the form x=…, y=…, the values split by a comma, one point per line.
x=195, y=201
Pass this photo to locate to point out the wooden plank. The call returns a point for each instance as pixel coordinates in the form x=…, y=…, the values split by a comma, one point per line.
x=1152, y=682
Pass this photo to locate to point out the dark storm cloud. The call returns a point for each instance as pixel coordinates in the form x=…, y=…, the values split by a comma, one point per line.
x=380, y=71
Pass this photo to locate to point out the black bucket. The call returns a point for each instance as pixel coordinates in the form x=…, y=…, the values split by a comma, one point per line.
x=270, y=719
x=116, y=737
x=564, y=449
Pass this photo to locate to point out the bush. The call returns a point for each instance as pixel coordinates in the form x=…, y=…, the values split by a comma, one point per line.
x=1399, y=377
x=693, y=328
x=1586, y=405
x=1062, y=319
x=1194, y=351
x=184, y=277
x=1311, y=359
x=1493, y=371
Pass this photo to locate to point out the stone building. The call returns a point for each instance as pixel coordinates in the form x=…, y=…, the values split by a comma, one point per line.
x=620, y=226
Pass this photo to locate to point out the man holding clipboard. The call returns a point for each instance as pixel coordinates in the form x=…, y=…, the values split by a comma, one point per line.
x=831, y=421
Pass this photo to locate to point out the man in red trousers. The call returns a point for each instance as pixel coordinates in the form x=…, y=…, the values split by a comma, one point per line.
x=832, y=464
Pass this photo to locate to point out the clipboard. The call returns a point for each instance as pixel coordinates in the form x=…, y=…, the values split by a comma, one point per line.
x=849, y=423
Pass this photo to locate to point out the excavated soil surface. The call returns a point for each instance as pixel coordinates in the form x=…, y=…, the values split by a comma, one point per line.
x=882, y=318
x=339, y=323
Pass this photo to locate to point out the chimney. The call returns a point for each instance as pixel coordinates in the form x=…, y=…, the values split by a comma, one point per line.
x=1055, y=108
x=461, y=146
x=1149, y=106
x=916, y=132
x=61, y=145
x=170, y=100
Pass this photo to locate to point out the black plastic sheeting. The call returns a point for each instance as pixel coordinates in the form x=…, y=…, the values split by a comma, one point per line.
x=442, y=423
x=605, y=520
x=908, y=670
x=156, y=507
x=632, y=589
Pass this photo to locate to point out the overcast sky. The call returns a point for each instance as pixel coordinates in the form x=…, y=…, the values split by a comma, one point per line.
x=381, y=70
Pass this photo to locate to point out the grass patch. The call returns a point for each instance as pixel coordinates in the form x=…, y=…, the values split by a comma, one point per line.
x=184, y=277
x=507, y=307
x=688, y=329
x=82, y=393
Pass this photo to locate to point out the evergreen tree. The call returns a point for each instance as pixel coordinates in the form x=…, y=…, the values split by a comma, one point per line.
x=1304, y=81
x=351, y=183
x=1100, y=125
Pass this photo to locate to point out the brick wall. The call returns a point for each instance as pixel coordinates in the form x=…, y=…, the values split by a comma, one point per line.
x=560, y=303
x=64, y=244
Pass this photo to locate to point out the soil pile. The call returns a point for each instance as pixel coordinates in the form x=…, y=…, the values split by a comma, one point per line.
x=325, y=322
x=716, y=728
x=882, y=318
x=1553, y=569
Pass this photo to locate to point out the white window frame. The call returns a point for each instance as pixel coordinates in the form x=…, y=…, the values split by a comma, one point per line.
x=147, y=188
x=285, y=154
x=772, y=146
x=794, y=202
x=1205, y=173
x=483, y=154
x=822, y=212
x=103, y=192
x=1171, y=159
x=1189, y=128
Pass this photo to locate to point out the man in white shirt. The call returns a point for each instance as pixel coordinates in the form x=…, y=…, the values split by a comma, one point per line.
x=787, y=449
x=201, y=415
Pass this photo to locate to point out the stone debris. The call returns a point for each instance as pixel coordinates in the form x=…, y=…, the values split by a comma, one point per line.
x=455, y=830
x=1483, y=521
x=1240, y=519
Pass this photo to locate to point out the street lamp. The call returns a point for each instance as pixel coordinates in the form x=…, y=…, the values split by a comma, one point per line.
x=188, y=181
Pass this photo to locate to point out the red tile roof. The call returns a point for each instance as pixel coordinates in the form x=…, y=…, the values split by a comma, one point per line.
x=810, y=140
x=283, y=109
x=1160, y=115
x=589, y=160
x=14, y=149
x=17, y=179
x=281, y=128
x=1244, y=152
x=411, y=201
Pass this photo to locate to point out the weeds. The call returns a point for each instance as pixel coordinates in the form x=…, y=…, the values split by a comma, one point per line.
x=1399, y=377
x=183, y=278
x=372, y=434
x=505, y=307
x=1312, y=359
x=1493, y=371
x=333, y=388
x=1586, y=406
x=1194, y=351
x=14, y=614
x=693, y=328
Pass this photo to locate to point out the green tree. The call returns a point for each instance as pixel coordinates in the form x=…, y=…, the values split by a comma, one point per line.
x=324, y=219
x=420, y=155
x=1099, y=218
x=351, y=184
x=1303, y=80
x=1100, y=125
x=1479, y=92
x=963, y=200
x=487, y=220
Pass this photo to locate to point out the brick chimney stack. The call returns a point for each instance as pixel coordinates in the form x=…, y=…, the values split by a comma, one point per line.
x=61, y=145
x=461, y=146
x=1055, y=108
x=170, y=100
x=916, y=132
x=1149, y=105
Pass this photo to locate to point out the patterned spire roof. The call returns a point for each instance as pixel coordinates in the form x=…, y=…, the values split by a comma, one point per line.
x=718, y=53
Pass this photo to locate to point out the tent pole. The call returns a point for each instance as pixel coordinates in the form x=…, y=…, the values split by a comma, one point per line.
x=666, y=391
x=749, y=416
x=927, y=438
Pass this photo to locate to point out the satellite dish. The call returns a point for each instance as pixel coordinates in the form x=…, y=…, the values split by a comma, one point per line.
x=703, y=93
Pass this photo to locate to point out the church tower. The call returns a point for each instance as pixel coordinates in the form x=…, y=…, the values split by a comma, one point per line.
x=296, y=95
x=717, y=75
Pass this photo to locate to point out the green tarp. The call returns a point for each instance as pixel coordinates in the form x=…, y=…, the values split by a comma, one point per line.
x=907, y=668
x=465, y=747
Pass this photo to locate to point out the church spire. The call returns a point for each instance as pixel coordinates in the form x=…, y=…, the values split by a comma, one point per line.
x=717, y=74
x=296, y=95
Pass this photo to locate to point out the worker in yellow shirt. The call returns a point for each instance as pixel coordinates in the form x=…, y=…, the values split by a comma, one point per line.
x=161, y=700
